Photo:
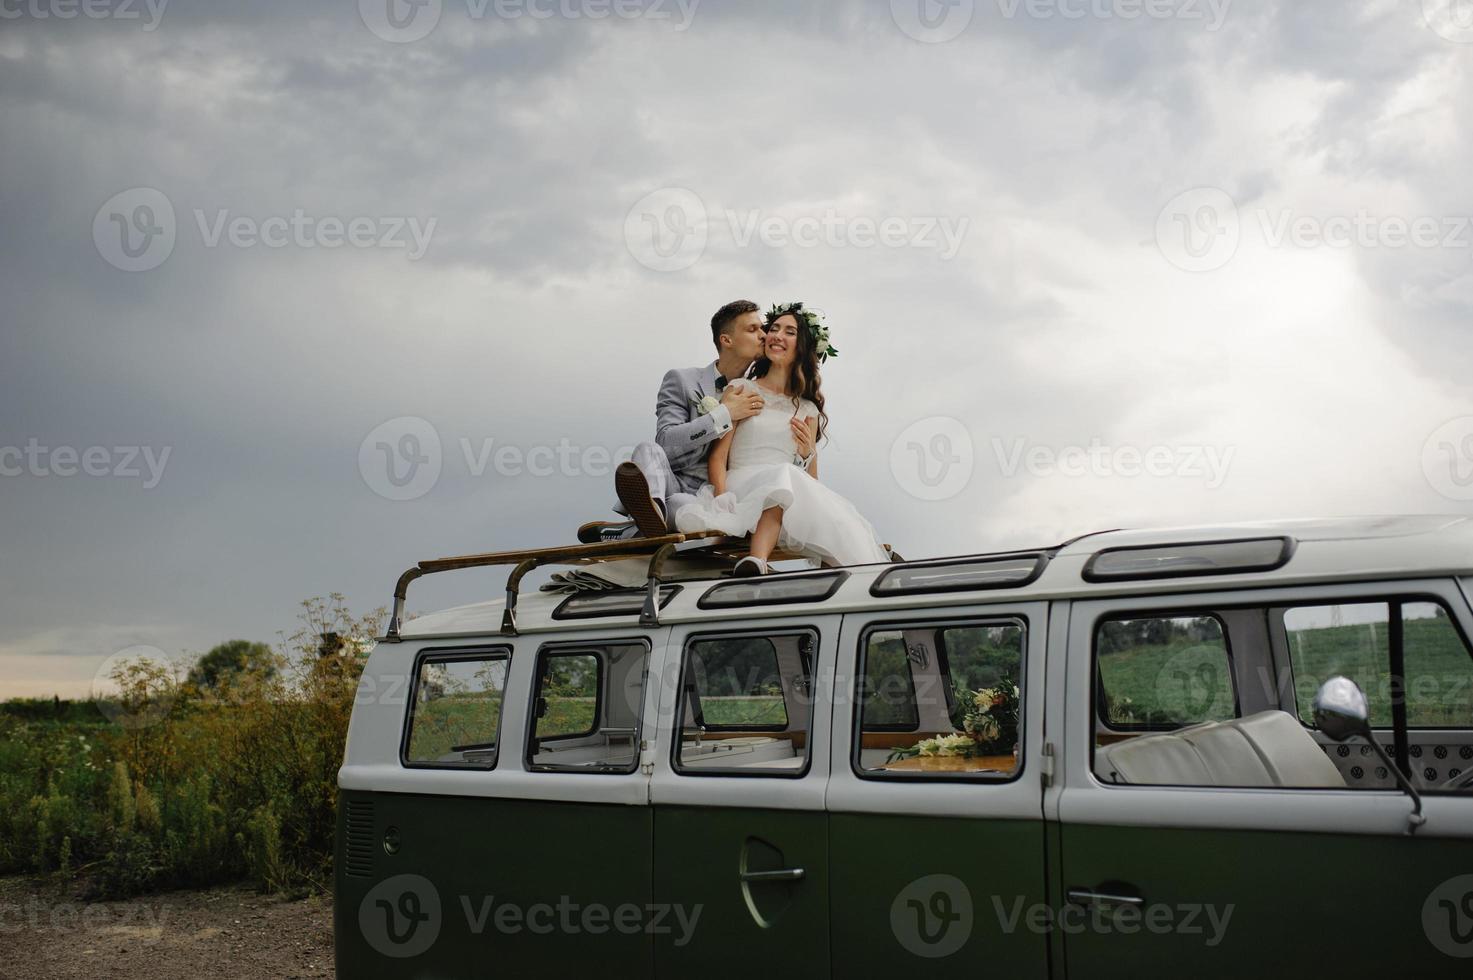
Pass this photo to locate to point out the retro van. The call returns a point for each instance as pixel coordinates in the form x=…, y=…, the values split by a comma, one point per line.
x=1204, y=752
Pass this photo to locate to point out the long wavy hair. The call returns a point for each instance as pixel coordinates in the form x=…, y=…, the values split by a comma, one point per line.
x=803, y=380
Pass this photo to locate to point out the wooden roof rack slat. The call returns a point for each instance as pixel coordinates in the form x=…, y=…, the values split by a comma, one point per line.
x=657, y=549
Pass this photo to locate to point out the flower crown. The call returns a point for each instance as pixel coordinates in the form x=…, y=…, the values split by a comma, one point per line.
x=816, y=326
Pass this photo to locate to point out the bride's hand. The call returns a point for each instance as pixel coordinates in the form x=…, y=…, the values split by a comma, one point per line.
x=802, y=436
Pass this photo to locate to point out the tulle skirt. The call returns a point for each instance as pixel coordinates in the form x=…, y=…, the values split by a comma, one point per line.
x=817, y=522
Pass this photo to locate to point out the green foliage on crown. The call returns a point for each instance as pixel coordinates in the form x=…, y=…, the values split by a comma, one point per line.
x=817, y=328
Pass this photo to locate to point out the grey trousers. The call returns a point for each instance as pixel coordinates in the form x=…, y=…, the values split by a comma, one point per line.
x=664, y=485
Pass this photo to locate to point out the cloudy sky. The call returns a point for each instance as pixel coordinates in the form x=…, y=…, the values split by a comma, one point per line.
x=1090, y=263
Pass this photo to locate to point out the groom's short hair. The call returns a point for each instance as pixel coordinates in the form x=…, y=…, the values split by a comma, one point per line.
x=724, y=317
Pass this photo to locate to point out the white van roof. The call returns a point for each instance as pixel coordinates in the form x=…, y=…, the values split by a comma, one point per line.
x=1324, y=550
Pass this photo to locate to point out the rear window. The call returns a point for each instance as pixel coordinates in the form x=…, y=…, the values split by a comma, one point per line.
x=1164, y=672
x=455, y=717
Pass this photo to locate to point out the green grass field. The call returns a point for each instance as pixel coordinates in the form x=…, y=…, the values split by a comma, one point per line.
x=1183, y=682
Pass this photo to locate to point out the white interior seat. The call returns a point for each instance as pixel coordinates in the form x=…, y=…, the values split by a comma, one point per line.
x=1267, y=749
x=1230, y=758
x=1289, y=751
x=1160, y=760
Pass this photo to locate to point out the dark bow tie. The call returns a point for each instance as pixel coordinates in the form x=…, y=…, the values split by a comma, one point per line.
x=720, y=382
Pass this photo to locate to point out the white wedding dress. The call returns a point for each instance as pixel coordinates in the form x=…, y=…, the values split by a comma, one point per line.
x=817, y=522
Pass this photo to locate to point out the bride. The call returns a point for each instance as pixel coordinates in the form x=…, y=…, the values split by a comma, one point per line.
x=758, y=484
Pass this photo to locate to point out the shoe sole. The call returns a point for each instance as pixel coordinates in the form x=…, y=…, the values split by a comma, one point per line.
x=634, y=493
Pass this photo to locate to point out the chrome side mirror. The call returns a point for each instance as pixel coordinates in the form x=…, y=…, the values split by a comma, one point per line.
x=1341, y=710
x=1342, y=713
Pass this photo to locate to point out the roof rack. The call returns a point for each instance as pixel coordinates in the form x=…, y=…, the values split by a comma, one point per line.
x=658, y=550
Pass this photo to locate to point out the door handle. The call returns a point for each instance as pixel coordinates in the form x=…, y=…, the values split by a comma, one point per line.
x=785, y=874
x=1087, y=897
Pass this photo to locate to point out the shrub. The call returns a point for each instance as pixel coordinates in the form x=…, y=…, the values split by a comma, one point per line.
x=236, y=780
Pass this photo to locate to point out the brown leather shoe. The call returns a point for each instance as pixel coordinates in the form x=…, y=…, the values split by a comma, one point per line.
x=634, y=493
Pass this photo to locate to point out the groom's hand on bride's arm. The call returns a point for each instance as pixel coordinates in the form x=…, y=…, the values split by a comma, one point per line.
x=742, y=402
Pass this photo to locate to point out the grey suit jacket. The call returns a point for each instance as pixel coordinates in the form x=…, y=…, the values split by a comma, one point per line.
x=684, y=435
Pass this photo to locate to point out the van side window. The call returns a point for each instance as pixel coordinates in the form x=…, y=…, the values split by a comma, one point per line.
x=587, y=703
x=887, y=694
x=1162, y=672
x=455, y=712
x=1354, y=639
x=940, y=701
x=746, y=704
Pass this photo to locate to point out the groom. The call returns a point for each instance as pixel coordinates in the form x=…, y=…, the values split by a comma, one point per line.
x=693, y=410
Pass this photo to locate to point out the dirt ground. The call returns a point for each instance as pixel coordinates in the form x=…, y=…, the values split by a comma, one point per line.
x=222, y=932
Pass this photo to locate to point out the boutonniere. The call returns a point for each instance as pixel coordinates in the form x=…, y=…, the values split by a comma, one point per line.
x=703, y=403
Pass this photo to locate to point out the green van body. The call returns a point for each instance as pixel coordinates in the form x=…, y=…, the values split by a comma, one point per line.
x=625, y=815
